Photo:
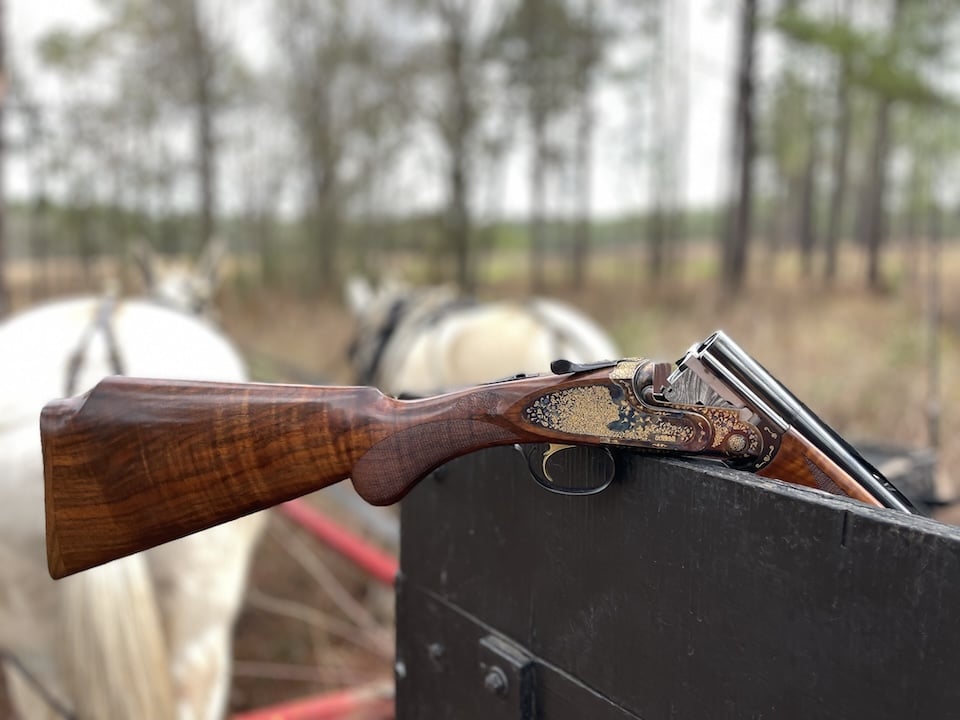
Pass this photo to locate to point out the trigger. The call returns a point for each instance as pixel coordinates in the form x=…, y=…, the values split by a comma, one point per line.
x=552, y=449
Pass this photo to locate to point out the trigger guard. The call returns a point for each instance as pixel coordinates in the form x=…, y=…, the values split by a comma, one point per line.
x=570, y=469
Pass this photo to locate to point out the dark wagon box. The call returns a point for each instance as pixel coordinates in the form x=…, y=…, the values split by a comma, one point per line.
x=685, y=591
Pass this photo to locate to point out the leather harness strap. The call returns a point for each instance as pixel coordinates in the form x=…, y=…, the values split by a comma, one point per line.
x=100, y=323
x=385, y=333
x=402, y=311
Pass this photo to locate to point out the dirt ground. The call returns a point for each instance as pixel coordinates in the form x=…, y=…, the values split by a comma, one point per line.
x=861, y=361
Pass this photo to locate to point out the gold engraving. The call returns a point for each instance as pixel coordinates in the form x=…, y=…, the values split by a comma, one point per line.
x=592, y=411
x=737, y=443
x=626, y=369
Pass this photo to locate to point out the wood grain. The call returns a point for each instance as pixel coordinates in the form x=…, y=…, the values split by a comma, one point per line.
x=799, y=462
x=136, y=463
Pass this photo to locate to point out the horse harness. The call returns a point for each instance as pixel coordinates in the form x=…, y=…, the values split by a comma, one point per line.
x=100, y=323
x=368, y=371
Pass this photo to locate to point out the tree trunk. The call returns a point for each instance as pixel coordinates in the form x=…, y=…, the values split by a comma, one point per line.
x=934, y=319
x=327, y=229
x=538, y=175
x=583, y=152
x=459, y=225
x=774, y=229
x=736, y=245
x=207, y=173
x=841, y=154
x=657, y=238
x=584, y=156
x=267, y=250
x=660, y=153
x=459, y=221
x=807, y=220
x=874, y=204
x=205, y=138
x=911, y=242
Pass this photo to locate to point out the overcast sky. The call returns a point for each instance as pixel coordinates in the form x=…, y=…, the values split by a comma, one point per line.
x=710, y=62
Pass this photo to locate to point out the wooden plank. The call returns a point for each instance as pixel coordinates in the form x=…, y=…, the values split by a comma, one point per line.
x=687, y=590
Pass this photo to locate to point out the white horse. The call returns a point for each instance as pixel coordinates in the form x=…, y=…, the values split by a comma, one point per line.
x=418, y=341
x=149, y=636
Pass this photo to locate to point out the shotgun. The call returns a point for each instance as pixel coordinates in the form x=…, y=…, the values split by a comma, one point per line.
x=135, y=463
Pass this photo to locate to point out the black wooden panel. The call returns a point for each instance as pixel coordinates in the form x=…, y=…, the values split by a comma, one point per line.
x=682, y=591
x=442, y=668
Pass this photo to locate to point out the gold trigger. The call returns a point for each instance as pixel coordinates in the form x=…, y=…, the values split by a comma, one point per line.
x=552, y=449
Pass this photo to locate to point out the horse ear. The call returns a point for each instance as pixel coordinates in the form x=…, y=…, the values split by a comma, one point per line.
x=210, y=263
x=358, y=294
x=145, y=258
x=393, y=286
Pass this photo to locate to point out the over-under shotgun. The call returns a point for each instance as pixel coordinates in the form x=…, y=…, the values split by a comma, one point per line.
x=135, y=463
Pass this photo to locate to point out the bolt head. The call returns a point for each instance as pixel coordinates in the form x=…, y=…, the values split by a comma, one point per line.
x=495, y=681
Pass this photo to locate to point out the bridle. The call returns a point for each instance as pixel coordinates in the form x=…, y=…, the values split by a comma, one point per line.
x=367, y=373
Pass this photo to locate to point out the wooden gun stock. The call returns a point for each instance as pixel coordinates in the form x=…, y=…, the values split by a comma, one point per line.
x=135, y=463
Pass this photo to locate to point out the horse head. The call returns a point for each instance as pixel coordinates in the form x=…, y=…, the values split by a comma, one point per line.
x=179, y=283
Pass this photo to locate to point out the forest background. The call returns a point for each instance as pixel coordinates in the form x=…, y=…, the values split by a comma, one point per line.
x=784, y=169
